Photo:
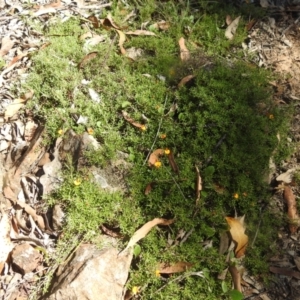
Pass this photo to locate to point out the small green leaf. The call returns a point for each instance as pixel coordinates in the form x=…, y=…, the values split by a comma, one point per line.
x=209, y=171
x=235, y=295
x=137, y=250
x=125, y=104
x=224, y=287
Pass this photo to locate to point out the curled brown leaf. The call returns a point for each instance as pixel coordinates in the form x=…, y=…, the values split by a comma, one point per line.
x=293, y=215
x=181, y=266
x=154, y=156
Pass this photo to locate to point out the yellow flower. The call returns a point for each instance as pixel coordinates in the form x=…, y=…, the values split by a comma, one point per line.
x=271, y=117
x=143, y=127
x=90, y=131
x=77, y=182
x=60, y=131
x=167, y=151
x=236, y=196
x=135, y=290
x=157, y=164
x=157, y=273
x=163, y=136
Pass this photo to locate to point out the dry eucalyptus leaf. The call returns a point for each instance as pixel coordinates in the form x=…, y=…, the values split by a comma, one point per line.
x=236, y=277
x=145, y=229
x=87, y=58
x=172, y=162
x=286, y=177
x=231, y=29
x=122, y=39
x=228, y=20
x=178, y=267
x=131, y=121
x=285, y=271
x=237, y=231
x=184, y=52
x=140, y=32
x=14, y=107
x=198, y=186
x=6, y=45
x=293, y=215
x=185, y=80
x=108, y=22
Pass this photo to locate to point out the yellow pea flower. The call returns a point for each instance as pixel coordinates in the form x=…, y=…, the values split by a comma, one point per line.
x=157, y=273
x=90, y=131
x=143, y=128
x=60, y=131
x=157, y=164
x=135, y=290
x=167, y=151
x=236, y=196
x=77, y=182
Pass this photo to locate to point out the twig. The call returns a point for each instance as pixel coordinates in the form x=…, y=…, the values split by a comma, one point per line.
x=157, y=133
x=256, y=232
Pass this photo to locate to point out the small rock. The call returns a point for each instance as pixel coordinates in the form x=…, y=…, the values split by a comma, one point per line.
x=58, y=217
x=25, y=258
x=92, y=274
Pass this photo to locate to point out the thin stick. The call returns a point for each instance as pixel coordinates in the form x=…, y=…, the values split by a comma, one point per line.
x=157, y=133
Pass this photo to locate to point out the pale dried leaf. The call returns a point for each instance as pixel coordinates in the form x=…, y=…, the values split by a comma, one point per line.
x=264, y=3
x=145, y=229
x=228, y=20
x=286, y=177
x=6, y=45
x=140, y=32
x=178, y=267
x=14, y=107
x=237, y=231
x=231, y=29
x=184, y=52
x=94, y=96
x=122, y=39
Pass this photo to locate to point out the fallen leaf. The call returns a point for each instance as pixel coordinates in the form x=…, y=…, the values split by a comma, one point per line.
x=85, y=36
x=250, y=25
x=286, y=177
x=5, y=242
x=108, y=22
x=185, y=80
x=145, y=229
x=12, y=108
x=154, y=156
x=231, y=29
x=163, y=25
x=198, y=185
x=184, y=52
x=228, y=20
x=87, y=58
x=237, y=231
x=173, y=163
x=285, y=272
x=149, y=187
x=16, y=59
x=290, y=199
x=131, y=121
x=178, y=267
x=236, y=277
x=6, y=45
x=264, y=3
x=94, y=20
x=140, y=32
x=122, y=39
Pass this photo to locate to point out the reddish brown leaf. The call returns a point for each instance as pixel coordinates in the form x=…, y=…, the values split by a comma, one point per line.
x=290, y=199
x=250, y=25
x=94, y=20
x=108, y=22
x=149, y=187
x=178, y=267
x=172, y=162
x=285, y=271
x=237, y=231
x=154, y=156
x=132, y=122
x=87, y=58
x=16, y=58
x=110, y=232
x=185, y=79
